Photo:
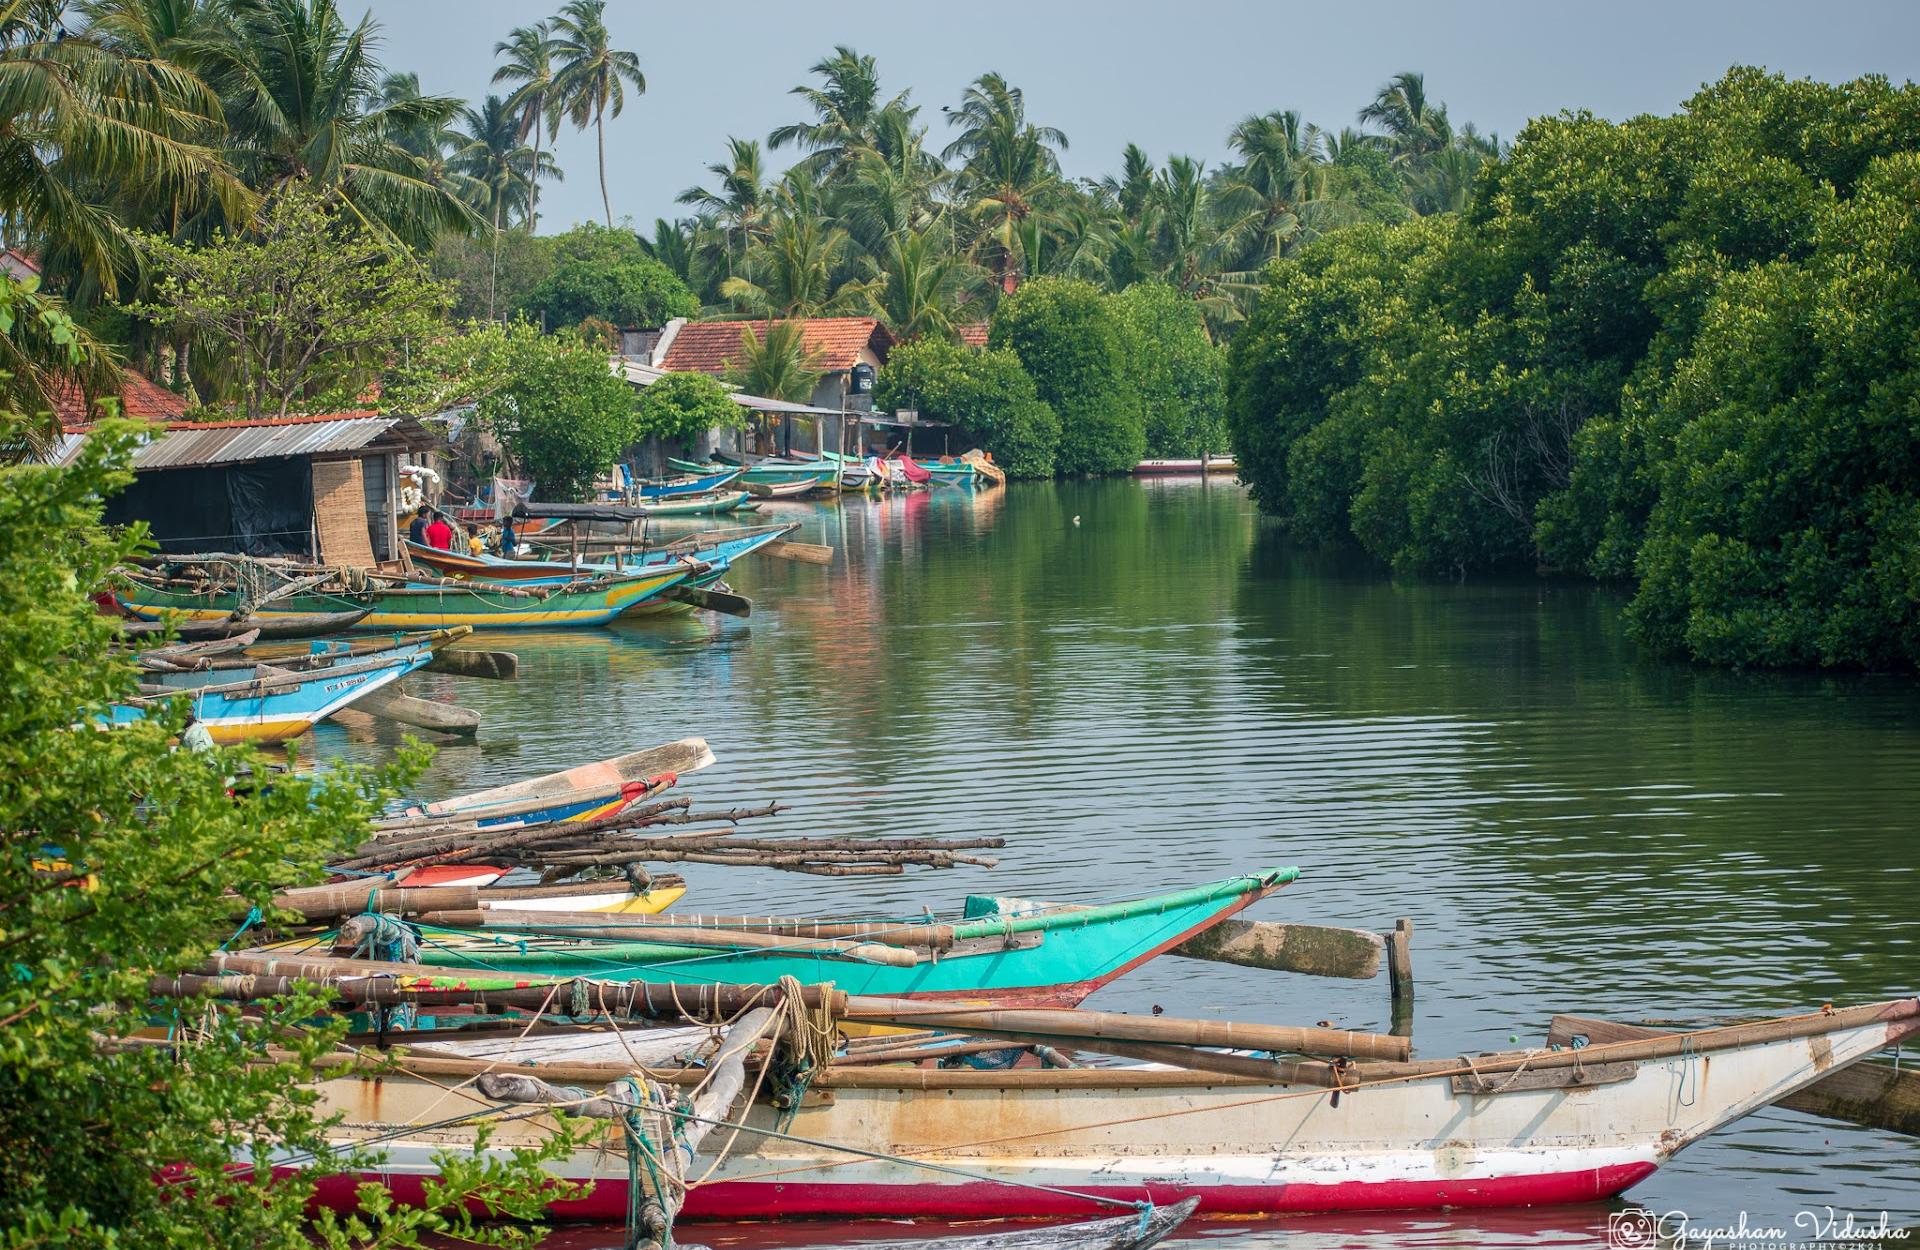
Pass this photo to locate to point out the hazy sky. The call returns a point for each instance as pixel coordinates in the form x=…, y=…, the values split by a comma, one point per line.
x=1173, y=77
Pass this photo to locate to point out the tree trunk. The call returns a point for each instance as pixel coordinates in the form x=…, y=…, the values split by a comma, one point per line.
x=600, y=132
x=493, y=275
x=533, y=178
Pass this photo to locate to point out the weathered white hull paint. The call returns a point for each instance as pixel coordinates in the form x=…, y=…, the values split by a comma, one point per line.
x=1240, y=1146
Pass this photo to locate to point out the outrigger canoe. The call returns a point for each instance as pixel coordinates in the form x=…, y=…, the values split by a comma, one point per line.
x=1047, y=956
x=585, y=792
x=483, y=605
x=674, y=488
x=272, y=705
x=716, y=550
x=1510, y=1129
x=714, y=503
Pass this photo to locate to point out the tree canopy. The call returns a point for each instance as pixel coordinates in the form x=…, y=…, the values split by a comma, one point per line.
x=1624, y=358
x=605, y=273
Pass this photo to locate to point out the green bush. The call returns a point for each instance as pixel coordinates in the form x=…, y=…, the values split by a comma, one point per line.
x=563, y=415
x=1071, y=343
x=1675, y=349
x=1176, y=369
x=986, y=395
x=606, y=274
x=681, y=407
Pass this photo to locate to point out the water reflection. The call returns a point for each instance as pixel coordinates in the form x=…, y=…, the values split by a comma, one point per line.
x=1170, y=691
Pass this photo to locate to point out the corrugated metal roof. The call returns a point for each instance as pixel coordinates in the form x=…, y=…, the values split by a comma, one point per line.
x=235, y=442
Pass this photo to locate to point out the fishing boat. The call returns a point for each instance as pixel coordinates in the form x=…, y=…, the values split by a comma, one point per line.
x=584, y=792
x=488, y=605
x=1169, y=468
x=271, y=705
x=718, y=550
x=186, y=669
x=242, y=595
x=715, y=503
x=700, y=484
x=1054, y=955
x=823, y=480
x=1517, y=1128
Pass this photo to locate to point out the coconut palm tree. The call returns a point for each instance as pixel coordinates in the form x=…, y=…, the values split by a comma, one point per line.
x=920, y=281
x=1415, y=125
x=99, y=134
x=1012, y=168
x=499, y=170
x=774, y=362
x=848, y=115
x=800, y=268
x=736, y=208
x=529, y=63
x=593, y=76
x=304, y=108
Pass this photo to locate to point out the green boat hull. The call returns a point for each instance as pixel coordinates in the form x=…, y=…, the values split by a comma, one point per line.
x=996, y=957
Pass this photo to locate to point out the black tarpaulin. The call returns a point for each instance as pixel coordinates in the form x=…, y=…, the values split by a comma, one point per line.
x=262, y=508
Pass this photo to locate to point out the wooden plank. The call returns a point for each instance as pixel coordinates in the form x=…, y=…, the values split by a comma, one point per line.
x=1400, y=960
x=1311, y=950
x=1550, y=1078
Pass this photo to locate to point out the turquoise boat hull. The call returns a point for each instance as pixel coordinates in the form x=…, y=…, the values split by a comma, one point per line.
x=1055, y=956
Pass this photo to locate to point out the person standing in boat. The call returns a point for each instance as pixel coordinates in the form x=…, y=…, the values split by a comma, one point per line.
x=417, y=529
x=509, y=543
x=440, y=532
x=476, y=545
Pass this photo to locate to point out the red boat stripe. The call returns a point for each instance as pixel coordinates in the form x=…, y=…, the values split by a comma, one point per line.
x=983, y=1199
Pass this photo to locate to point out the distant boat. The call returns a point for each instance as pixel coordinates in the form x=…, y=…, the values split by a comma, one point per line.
x=791, y=489
x=713, y=504
x=1171, y=468
x=675, y=488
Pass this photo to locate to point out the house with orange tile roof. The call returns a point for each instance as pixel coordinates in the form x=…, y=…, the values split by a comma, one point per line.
x=847, y=350
x=974, y=335
x=139, y=397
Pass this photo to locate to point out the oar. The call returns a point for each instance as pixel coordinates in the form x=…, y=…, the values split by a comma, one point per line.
x=810, y=553
x=721, y=601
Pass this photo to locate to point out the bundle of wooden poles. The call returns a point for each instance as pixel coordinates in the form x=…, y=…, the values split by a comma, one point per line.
x=561, y=849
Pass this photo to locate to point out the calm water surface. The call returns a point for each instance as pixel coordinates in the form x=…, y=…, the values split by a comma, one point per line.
x=1168, y=691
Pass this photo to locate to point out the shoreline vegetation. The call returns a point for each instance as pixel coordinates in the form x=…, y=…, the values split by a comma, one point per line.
x=1676, y=352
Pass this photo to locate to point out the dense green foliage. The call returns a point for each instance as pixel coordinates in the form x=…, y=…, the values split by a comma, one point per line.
x=309, y=307
x=774, y=361
x=681, y=407
x=1071, y=342
x=1176, y=369
x=1670, y=349
x=563, y=415
x=116, y=862
x=986, y=395
x=604, y=273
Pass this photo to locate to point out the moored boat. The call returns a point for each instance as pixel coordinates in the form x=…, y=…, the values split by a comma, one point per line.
x=483, y=605
x=583, y=792
x=1039, y=955
x=1170, y=468
x=1521, y=1128
x=697, y=484
x=715, y=503
x=271, y=705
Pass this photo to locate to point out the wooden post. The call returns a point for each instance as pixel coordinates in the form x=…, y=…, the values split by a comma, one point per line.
x=1400, y=975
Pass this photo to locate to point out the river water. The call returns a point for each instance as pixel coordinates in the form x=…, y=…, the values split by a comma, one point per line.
x=1143, y=683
